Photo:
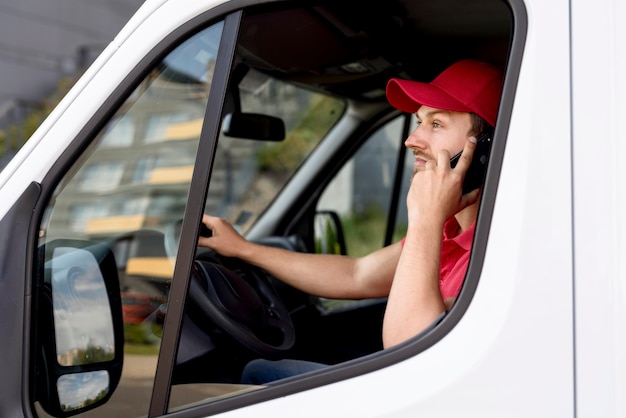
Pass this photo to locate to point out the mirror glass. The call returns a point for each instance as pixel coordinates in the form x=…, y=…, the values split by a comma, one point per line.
x=82, y=316
x=81, y=389
x=328, y=236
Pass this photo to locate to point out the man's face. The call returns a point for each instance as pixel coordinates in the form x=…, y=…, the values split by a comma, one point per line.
x=437, y=130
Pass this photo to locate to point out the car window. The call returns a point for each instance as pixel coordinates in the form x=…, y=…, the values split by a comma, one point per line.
x=361, y=192
x=306, y=89
x=247, y=176
x=248, y=173
x=129, y=191
x=124, y=194
x=363, y=195
x=294, y=75
x=268, y=128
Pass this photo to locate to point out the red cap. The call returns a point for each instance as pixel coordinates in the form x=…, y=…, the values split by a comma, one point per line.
x=466, y=86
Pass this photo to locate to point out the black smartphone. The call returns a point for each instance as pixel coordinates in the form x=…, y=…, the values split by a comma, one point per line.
x=475, y=175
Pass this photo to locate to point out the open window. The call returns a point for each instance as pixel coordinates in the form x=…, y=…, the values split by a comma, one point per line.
x=104, y=275
x=275, y=119
x=328, y=67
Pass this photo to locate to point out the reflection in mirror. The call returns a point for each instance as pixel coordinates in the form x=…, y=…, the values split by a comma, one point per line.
x=82, y=315
x=81, y=389
x=329, y=238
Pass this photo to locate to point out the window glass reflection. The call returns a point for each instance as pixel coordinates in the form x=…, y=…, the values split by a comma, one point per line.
x=119, y=133
x=80, y=389
x=248, y=174
x=123, y=192
x=82, y=317
x=101, y=176
x=361, y=192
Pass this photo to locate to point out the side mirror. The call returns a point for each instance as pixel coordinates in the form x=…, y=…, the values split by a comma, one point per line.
x=81, y=332
x=329, y=237
x=254, y=126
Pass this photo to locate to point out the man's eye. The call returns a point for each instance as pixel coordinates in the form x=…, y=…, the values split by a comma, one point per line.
x=418, y=122
x=436, y=125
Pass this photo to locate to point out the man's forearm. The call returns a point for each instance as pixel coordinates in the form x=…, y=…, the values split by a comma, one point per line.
x=415, y=299
x=324, y=275
x=311, y=273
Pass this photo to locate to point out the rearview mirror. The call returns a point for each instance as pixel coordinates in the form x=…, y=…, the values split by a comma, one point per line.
x=81, y=328
x=254, y=126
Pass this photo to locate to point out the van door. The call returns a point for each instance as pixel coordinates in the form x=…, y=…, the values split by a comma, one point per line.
x=159, y=150
x=599, y=106
x=122, y=186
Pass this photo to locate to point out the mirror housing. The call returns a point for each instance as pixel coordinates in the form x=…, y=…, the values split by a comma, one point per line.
x=254, y=126
x=328, y=233
x=80, y=285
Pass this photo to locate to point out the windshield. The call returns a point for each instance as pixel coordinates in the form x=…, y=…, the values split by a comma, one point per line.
x=248, y=174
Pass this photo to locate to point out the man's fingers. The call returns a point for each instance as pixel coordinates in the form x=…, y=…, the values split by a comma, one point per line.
x=208, y=220
x=212, y=222
x=468, y=152
x=443, y=159
x=207, y=229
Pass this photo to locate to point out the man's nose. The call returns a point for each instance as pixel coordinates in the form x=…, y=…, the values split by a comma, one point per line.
x=415, y=140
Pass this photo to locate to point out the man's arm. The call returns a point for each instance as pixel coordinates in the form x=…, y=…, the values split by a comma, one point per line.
x=331, y=276
x=415, y=299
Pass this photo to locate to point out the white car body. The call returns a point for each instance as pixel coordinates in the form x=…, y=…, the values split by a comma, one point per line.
x=544, y=334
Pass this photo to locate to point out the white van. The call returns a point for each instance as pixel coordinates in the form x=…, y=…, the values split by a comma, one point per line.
x=272, y=114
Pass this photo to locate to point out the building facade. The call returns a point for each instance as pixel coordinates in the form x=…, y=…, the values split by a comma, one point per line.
x=45, y=43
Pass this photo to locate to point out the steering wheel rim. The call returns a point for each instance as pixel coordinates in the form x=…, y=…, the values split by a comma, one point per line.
x=241, y=301
x=238, y=298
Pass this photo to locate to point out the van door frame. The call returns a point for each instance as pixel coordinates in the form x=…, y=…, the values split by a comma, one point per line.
x=193, y=216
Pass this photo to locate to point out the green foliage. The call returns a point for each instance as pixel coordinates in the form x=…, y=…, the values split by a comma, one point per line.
x=141, y=339
x=92, y=354
x=138, y=334
x=141, y=349
x=314, y=122
x=87, y=402
x=365, y=231
x=17, y=134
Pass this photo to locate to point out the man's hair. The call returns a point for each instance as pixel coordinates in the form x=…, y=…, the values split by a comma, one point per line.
x=479, y=125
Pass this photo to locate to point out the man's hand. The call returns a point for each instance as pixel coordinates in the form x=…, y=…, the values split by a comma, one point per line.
x=415, y=299
x=224, y=238
x=436, y=190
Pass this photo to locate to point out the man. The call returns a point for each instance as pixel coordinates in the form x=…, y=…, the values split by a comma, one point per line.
x=423, y=274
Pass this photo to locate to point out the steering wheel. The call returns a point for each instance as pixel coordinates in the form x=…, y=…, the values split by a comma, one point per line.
x=240, y=300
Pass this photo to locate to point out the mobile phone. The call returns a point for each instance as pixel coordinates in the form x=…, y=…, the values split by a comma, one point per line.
x=475, y=175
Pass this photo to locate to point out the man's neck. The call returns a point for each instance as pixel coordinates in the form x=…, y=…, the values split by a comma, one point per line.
x=467, y=216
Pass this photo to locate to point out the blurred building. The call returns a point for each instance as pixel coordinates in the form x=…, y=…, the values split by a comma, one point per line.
x=45, y=41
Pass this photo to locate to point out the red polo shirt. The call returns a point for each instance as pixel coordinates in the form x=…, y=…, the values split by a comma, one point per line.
x=455, y=252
